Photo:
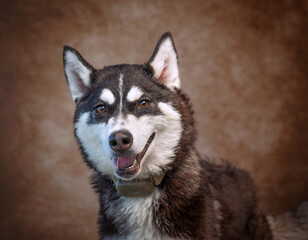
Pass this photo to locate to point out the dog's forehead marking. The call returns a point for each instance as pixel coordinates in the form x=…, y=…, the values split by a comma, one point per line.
x=107, y=96
x=121, y=91
x=134, y=94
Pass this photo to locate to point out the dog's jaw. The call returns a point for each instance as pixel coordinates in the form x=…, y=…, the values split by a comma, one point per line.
x=128, y=167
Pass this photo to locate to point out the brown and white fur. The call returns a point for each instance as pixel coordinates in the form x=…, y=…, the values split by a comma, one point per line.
x=132, y=123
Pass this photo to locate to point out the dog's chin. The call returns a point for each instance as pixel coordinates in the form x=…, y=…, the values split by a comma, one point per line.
x=129, y=167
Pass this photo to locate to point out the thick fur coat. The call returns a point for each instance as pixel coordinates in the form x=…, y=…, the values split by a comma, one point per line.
x=197, y=198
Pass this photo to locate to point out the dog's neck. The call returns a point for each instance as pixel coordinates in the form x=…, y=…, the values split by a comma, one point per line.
x=138, y=188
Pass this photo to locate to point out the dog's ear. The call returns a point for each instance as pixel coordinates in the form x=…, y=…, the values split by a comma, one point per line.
x=77, y=72
x=164, y=62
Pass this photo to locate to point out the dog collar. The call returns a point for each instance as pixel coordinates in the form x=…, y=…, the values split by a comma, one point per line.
x=138, y=188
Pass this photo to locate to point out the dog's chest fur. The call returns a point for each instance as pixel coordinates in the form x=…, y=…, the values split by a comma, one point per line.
x=132, y=218
x=137, y=213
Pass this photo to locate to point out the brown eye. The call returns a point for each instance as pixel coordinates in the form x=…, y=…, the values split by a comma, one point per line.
x=100, y=109
x=144, y=103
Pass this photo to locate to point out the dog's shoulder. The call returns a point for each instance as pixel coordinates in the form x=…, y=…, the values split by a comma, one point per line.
x=223, y=170
x=230, y=182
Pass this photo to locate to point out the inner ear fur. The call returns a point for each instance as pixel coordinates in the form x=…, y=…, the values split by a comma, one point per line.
x=164, y=62
x=77, y=72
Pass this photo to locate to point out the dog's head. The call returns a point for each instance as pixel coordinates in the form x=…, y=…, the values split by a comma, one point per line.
x=127, y=121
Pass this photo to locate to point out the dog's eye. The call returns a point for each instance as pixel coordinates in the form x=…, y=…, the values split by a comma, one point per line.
x=144, y=103
x=100, y=109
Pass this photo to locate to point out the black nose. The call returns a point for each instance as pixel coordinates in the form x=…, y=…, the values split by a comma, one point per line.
x=120, y=141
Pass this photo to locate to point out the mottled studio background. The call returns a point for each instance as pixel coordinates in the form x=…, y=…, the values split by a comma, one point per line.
x=243, y=62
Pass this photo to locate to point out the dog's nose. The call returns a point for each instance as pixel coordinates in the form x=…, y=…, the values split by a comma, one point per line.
x=120, y=141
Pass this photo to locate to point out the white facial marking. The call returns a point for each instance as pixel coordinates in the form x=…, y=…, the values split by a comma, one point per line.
x=121, y=91
x=89, y=136
x=107, y=96
x=168, y=131
x=134, y=94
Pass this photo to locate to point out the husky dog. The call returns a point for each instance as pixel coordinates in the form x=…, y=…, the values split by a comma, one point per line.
x=135, y=128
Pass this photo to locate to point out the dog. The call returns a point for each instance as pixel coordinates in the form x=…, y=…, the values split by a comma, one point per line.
x=135, y=128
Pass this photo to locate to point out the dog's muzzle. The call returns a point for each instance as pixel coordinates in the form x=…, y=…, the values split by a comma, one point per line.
x=126, y=166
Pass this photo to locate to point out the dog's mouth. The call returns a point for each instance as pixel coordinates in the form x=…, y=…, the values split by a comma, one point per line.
x=127, y=166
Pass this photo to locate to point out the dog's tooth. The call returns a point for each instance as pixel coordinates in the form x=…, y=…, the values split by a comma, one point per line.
x=118, y=163
x=115, y=162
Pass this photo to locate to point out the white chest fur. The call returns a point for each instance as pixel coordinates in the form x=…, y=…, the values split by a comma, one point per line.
x=135, y=214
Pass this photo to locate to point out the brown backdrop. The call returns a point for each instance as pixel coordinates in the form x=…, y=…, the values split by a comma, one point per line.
x=243, y=62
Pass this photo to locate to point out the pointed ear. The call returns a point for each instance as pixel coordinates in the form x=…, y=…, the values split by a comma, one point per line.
x=164, y=62
x=77, y=72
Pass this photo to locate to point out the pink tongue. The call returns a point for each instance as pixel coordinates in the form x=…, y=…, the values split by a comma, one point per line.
x=123, y=162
